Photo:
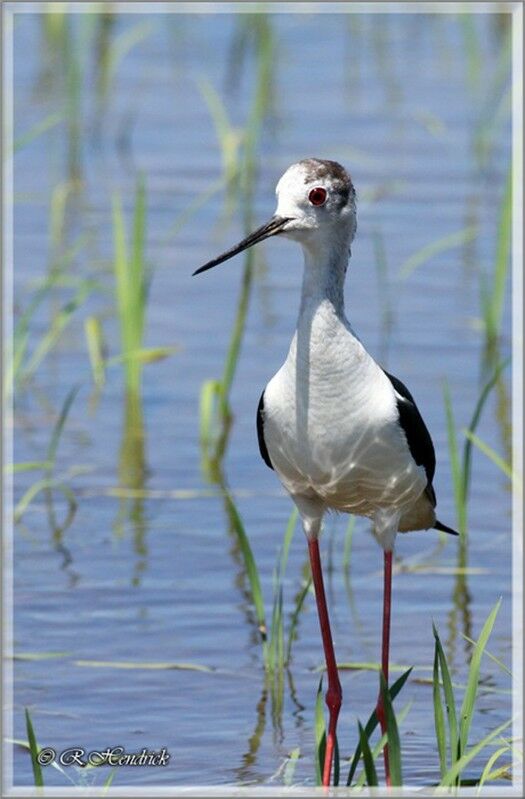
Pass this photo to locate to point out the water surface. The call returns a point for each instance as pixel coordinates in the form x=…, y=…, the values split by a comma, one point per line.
x=160, y=579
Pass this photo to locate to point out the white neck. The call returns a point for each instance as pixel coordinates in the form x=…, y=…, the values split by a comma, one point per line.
x=316, y=345
x=324, y=276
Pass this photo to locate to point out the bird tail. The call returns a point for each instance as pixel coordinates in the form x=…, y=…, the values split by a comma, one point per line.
x=444, y=529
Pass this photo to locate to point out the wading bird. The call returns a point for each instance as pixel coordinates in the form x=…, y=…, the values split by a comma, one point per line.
x=340, y=432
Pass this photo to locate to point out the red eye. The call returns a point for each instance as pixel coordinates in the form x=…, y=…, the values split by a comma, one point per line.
x=317, y=196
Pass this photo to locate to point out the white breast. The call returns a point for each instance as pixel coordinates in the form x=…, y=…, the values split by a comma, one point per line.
x=331, y=423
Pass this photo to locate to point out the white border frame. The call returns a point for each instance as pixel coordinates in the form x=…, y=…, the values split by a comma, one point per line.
x=277, y=7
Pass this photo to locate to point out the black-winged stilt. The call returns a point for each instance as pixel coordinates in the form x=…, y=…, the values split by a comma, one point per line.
x=341, y=433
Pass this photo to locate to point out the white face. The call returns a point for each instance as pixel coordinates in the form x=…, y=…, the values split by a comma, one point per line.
x=315, y=206
x=315, y=202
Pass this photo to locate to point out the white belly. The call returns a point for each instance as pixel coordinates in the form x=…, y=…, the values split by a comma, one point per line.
x=331, y=428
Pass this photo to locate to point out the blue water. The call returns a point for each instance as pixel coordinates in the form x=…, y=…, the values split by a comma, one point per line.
x=389, y=96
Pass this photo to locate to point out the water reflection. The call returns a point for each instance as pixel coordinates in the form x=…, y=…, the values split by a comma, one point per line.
x=132, y=476
x=460, y=614
x=441, y=168
x=245, y=771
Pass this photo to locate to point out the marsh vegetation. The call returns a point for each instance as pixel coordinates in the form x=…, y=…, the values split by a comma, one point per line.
x=150, y=542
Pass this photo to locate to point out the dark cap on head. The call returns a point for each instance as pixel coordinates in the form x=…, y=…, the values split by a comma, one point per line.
x=319, y=169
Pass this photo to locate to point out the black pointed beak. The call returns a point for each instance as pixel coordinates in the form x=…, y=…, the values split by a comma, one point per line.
x=271, y=228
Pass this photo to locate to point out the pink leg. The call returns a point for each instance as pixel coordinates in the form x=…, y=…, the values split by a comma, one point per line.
x=385, y=649
x=334, y=694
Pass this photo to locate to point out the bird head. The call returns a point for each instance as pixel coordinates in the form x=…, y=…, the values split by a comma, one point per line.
x=315, y=206
x=318, y=199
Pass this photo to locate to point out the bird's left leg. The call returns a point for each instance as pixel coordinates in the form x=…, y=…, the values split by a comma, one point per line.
x=311, y=515
x=385, y=530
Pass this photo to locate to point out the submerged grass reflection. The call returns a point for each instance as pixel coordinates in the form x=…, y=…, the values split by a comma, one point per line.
x=68, y=51
x=461, y=467
x=132, y=275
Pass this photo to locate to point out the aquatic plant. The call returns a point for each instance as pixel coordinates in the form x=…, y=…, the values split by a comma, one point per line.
x=132, y=274
x=50, y=482
x=31, y=745
x=454, y=758
x=239, y=165
x=492, y=287
x=276, y=655
x=461, y=466
x=452, y=726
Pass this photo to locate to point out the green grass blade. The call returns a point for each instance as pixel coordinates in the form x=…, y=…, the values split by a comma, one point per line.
x=291, y=763
x=294, y=619
x=143, y=355
x=50, y=121
x=132, y=280
x=320, y=734
x=120, y=46
x=434, y=248
x=337, y=763
x=64, y=259
x=33, y=747
x=53, y=764
x=493, y=321
x=496, y=459
x=137, y=265
x=450, y=702
x=380, y=745
x=39, y=655
x=120, y=263
x=109, y=779
x=48, y=482
x=57, y=214
x=251, y=567
x=500, y=663
x=373, y=721
x=472, y=50
x=59, y=425
x=234, y=346
x=503, y=772
x=274, y=624
x=487, y=770
x=44, y=485
x=95, y=345
x=191, y=209
x=439, y=718
x=348, y=545
x=368, y=760
x=287, y=540
x=456, y=769
x=276, y=655
x=26, y=466
x=394, y=744
x=280, y=631
x=458, y=480
x=126, y=291
x=469, y=699
x=60, y=321
x=209, y=392
x=228, y=136
x=484, y=394
x=265, y=50
x=21, y=333
x=158, y=665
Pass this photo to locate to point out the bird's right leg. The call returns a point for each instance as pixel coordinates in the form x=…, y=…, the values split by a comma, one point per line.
x=311, y=516
x=385, y=530
x=385, y=650
x=334, y=694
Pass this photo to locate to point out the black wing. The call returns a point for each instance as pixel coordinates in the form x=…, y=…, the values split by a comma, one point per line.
x=415, y=430
x=263, y=449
